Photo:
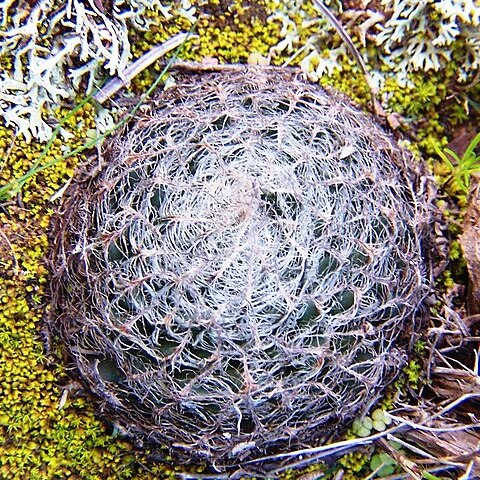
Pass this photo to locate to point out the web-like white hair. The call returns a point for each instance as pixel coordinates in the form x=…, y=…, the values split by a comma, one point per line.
x=241, y=274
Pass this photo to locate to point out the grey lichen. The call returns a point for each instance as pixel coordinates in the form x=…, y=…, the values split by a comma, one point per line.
x=56, y=51
x=410, y=36
x=60, y=50
x=423, y=36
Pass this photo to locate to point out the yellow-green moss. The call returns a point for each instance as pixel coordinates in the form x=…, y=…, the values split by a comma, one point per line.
x=44, y=434
x=45, y=437
x=353, y=463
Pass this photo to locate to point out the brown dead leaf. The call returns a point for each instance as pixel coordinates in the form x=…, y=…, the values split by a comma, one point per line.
x=454, y=382
x=459, y=446
x=470, y=242
x=462, y=137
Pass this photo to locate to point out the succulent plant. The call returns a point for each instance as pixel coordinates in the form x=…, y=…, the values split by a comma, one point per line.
x=239, y=272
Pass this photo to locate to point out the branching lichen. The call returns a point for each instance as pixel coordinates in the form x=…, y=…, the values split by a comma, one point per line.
x=426, y=36
x=38, y=438
x=61, y=49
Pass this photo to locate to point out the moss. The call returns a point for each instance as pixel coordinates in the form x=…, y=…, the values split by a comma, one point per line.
x=227, y=31
x=354, y=462
x=45, y=434
x=42, y=438
x=413, y=371
x=312, y=472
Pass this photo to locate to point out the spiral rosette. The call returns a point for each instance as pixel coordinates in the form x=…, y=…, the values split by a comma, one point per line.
x=243, y=272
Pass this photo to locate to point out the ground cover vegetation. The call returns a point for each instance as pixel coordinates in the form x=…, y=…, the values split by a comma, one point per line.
x=425, y=72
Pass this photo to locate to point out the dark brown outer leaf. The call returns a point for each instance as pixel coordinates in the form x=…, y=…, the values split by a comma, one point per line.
x=459, y=446
x=470, y=242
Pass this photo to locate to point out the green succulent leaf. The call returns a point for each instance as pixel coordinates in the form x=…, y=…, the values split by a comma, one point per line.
x=382, y=464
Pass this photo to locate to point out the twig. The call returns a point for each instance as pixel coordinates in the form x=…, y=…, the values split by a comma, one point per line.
x=411, y=447
x=417, y=426
x=407, y=465
x=377, y=107
x=455, y=403
x=331, y=448
x=230, y=67
x=469, y=471
x=115, y=84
